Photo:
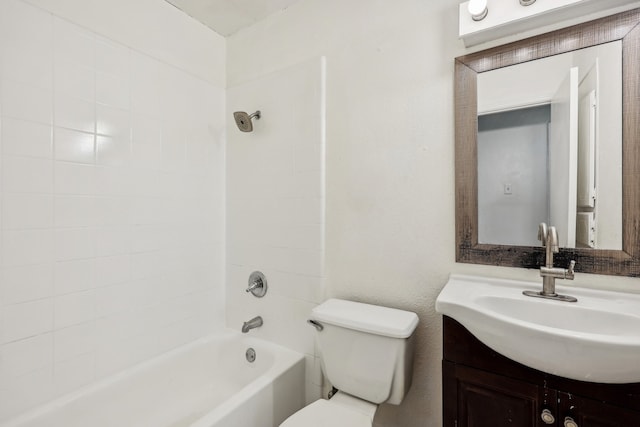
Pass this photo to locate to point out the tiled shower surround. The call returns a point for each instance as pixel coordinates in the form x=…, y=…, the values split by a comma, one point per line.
x=112, y=205
x=275, y=207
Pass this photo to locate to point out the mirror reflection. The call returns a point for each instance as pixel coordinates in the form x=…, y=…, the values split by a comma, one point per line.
x=550, y=150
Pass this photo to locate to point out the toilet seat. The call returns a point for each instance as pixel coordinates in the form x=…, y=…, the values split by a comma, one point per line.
x=342, y=410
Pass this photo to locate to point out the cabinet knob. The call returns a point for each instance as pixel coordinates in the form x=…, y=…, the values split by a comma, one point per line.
x=569, y=422
x=547, y=417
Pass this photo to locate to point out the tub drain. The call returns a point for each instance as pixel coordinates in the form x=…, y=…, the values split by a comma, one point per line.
x=251, y=355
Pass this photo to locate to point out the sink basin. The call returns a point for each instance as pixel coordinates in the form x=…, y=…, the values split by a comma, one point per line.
x=596, y=339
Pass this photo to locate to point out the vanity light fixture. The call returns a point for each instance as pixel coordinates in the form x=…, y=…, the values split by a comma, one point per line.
x=527, y=2
x=478, y=9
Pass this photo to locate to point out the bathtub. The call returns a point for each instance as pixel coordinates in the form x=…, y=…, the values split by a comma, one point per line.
x=208, y=383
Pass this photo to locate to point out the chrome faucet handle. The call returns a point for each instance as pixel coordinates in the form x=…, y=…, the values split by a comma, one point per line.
x=257, y=284
x=542, y=233
x=254, y=285
x=570, y=273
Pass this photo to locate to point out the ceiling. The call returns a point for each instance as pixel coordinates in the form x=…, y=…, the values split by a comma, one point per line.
x=226, y=17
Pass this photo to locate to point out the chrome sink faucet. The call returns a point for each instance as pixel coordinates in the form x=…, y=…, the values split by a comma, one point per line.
x=549, y=238
x=251, y=324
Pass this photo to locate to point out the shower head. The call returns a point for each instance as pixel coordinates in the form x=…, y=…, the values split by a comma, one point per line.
x=243, y=120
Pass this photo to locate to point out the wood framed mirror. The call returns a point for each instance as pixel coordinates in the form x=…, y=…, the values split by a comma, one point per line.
x=623, y=27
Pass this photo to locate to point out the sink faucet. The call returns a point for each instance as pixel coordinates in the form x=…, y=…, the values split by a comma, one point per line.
x=251, y=324
x=549, y=238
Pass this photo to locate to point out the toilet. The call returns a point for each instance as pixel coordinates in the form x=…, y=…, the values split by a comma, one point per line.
x=367, y=354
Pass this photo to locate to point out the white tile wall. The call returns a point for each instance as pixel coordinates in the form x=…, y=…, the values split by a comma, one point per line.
x=150, y=26
x=111, y=204
x=275, y=207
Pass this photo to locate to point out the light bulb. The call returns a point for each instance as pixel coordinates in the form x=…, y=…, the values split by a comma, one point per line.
x=478, y=9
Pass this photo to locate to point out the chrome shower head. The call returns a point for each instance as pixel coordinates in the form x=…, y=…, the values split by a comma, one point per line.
x=243, y=120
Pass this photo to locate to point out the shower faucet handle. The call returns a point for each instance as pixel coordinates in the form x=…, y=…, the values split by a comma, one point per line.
x=257, y=284
x=254, y=285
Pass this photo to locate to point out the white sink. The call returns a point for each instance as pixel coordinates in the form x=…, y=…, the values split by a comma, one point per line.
x=596, y=339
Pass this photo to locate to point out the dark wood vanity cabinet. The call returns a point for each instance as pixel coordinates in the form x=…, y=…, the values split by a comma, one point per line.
x=593, y=413
x=478, y=398
x=482, y=388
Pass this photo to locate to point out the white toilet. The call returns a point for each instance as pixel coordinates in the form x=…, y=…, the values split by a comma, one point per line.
x=367, y=354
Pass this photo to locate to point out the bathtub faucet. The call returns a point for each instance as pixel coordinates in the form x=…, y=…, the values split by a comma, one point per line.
x=251, y=324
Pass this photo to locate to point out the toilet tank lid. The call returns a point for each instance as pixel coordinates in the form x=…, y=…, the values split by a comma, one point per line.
x=369, y=318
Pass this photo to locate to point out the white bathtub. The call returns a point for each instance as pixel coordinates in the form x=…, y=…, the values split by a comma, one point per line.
x=208, y=383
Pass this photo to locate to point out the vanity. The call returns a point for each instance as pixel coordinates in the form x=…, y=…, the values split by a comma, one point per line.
x=509, y=359
x=513, y=360
x=483, y=388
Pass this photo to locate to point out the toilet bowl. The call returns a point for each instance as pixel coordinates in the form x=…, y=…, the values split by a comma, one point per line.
x=367, y=354
x=342, y=410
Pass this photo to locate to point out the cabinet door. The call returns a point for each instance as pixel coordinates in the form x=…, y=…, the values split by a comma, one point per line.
x=592, y=413
x=489, y=400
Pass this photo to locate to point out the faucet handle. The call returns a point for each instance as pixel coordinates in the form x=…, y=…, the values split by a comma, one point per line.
x=257, y=284
x=570, y=273
x=254, y=285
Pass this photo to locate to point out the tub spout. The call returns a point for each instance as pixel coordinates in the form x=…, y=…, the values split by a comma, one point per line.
x=251, y=324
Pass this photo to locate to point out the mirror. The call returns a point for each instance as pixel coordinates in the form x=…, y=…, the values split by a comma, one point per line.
x=550, y=149
x=588, y=184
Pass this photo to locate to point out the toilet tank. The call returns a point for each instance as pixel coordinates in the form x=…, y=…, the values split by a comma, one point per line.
x=366, y=350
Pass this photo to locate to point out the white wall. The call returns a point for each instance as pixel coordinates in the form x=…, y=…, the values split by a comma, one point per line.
x=112, y=195
x=390, y=156
x=276, y=205
x=153, y=27
x=390, y=223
